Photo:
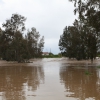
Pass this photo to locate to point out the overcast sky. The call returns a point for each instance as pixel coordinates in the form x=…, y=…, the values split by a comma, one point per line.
x=49, y=17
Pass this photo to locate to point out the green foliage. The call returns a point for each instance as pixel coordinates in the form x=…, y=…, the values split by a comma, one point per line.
x=35, y=43
x=52, y=56
x=98, y=55
x=98, y=66
x=16, y=47
x=84, y=41
x=78, y=42
x=88, y=73
x=73, y=43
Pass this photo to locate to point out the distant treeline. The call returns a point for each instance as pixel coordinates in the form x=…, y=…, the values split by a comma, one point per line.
x=82, y=40
x=15, y=45
x=51, y=56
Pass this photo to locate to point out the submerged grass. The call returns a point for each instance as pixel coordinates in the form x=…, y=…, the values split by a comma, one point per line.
x=98, y=66
x=88, y=73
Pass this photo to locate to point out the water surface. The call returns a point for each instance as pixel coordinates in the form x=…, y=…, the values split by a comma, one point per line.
x=50, y=79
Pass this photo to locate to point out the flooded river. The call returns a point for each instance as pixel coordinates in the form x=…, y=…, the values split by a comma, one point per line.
x=50, y=79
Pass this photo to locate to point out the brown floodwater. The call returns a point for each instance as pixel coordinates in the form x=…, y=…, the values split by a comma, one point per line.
x=50, y=79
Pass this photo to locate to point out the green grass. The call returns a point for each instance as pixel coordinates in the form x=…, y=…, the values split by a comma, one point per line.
x=98, y=55
x=88, y=73
x=52, y=56
x=98, y=66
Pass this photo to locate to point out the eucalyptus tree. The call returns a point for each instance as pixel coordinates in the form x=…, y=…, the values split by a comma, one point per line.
x=64, y=42
x=40, y=46
x=35, y=43
x=82, y=7
x=1, y=31
x=14, y=43
x=69, y=42
x=89, y=12
x=78, y=41
x=15, y=23
x=13, y=29
x=14, y=46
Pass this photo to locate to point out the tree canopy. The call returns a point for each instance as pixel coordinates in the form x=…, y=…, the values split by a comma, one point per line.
x=14, y=45
x=81, y=41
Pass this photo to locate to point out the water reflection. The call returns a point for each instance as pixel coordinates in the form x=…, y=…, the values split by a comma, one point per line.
x=78, y=84
x=18, y=82
x=64, y=80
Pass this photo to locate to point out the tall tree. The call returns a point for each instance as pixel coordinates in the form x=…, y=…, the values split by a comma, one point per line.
x=70, y=42
x=14, y=45
x=13, y=30
x=35, y=43
x=89, y=12
x=79, y=41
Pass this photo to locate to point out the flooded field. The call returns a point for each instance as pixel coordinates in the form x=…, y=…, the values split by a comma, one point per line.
x=50, y=79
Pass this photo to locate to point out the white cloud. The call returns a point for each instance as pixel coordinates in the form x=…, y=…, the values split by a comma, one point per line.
x=49, y=17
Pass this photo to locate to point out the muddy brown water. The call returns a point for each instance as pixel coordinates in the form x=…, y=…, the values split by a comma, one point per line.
x=50, y=79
